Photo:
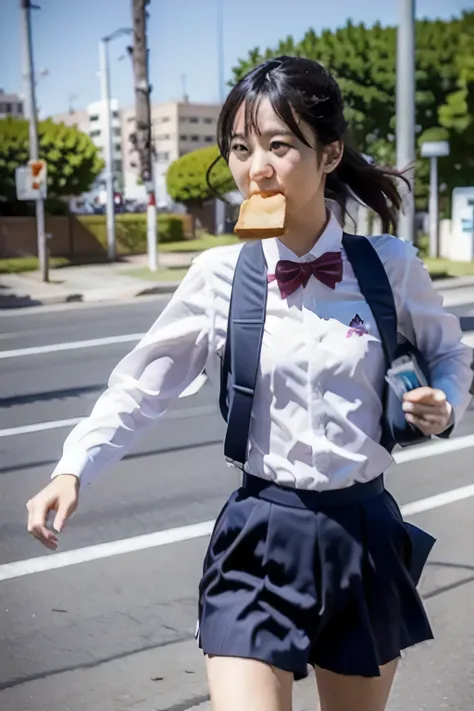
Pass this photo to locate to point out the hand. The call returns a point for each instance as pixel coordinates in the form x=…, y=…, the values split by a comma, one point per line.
x=427, y=409
x=62, y=496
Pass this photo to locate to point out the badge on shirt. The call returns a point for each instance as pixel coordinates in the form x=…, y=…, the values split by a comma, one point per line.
x=356, y=327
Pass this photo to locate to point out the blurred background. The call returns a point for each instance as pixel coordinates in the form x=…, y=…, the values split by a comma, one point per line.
x=109, y=146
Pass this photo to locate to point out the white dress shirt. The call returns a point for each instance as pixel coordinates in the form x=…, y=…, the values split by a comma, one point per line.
x=317, y=408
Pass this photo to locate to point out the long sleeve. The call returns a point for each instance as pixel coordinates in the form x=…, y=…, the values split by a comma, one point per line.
x=437, y=333
x=141, y=387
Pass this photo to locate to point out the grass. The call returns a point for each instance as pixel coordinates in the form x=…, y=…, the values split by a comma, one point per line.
x=17, y=265
x=159, y=275
x=200, y=244
x=444, y=268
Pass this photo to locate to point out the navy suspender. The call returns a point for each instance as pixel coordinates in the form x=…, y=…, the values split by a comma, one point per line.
x=242, y=350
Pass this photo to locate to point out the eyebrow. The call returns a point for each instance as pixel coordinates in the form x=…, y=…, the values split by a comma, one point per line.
x=267, y=134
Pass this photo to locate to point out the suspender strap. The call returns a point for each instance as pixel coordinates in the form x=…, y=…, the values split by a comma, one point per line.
x=375, y=288
x=243, y=344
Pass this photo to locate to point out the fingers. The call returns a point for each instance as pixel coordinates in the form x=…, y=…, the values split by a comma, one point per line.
x=61, y=496
x=425, y=396
x=66, y=508
x=37, y=518
x=428, y=412
x=433, y=426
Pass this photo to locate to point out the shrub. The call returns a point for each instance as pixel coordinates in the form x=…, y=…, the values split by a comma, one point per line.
x=130, y=230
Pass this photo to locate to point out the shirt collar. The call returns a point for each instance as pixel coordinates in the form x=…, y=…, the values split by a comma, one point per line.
x=330, y=241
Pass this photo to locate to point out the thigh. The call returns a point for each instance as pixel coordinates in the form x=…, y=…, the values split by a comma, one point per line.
x=355, y=693
x=237, y=684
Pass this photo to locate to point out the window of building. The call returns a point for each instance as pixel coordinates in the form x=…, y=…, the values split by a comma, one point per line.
x=193, y=119
x=208, y=120
x=183, y=138
x=163, y=156
x=163, y=119
x=94, y=134
x=117, y=165
x=115, y=114
x=163, y=137
x=93, y=117
x=130, y=119
x=209, y=139
x=117, y=147
x=9, y=108
x=116, y=132
x=194, y=138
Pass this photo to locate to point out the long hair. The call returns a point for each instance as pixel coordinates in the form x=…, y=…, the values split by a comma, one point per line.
x=301, y=89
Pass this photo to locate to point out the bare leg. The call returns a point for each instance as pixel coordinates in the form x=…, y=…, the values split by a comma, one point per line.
x=355, y=693
x=247, y=685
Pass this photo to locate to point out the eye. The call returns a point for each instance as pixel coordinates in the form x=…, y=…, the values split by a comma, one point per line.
x=238, y=147
x=279, y=147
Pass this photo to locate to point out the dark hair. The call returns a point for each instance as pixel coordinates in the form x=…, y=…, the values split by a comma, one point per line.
x=302, y=86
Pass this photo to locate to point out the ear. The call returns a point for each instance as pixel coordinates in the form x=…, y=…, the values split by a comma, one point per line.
x=332, y=156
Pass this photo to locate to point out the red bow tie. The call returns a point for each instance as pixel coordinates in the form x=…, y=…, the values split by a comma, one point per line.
x=291, y=275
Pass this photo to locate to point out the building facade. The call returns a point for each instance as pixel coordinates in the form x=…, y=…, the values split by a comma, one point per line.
x=11, y=105
x=178, y=127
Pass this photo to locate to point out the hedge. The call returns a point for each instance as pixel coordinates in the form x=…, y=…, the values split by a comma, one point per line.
x=130, y=230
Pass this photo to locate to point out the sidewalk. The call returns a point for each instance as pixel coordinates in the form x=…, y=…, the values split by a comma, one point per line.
x=110, y=282
x=89, y=283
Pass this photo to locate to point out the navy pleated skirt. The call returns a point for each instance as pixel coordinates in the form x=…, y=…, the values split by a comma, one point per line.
x=296, y=578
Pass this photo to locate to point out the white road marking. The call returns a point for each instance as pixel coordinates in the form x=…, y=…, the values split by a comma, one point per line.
x=468, y=339
x=104, y=550
x=433, y=448
x=17, y=569
x=71, y=345
x=201, y=411
x=434, y=502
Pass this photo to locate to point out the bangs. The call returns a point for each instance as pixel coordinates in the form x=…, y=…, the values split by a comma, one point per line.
x=286, y=103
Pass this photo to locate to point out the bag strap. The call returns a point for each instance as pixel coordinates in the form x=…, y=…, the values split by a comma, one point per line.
x=375, y=287
x=247, y=311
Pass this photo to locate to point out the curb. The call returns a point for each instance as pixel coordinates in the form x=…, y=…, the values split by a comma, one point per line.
x=150, y=289
x=93, y=296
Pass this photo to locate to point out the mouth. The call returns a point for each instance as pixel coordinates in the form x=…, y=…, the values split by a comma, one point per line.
x=266, y=193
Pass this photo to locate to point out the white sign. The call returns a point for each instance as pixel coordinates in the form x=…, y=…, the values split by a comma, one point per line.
x=31, y=181
x=462, y=225
x=435, y=149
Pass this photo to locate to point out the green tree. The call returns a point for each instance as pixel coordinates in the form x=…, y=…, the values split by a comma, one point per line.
x=363, y=59
x=73, y=162
x=186, y=177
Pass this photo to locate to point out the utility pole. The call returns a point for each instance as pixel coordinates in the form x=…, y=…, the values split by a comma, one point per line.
x=108, y=146
x=144, y=138
x=26, y=7
x=406, y=113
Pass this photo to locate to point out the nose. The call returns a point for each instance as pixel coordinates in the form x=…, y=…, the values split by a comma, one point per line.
x=261, y=167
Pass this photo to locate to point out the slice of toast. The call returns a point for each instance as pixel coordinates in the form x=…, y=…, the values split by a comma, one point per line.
x=262, y=217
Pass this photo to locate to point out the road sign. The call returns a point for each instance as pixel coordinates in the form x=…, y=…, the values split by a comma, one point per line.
x=31, y=180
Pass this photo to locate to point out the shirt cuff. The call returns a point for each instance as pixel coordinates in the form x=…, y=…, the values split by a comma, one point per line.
x=77, y=464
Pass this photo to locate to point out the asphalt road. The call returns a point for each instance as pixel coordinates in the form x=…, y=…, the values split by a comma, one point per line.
x=116, y=634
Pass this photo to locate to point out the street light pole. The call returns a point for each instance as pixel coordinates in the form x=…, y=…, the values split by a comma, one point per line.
x=406, y=112
x=220, y=205
x=26, y=8
x=108, y=146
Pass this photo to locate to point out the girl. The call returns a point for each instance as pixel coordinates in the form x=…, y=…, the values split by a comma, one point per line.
x=308, y=561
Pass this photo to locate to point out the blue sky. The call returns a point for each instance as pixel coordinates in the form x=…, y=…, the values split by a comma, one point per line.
x=182, y=40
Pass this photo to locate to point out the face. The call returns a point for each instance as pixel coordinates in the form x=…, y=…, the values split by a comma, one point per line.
x=274, y=160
